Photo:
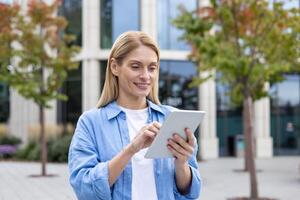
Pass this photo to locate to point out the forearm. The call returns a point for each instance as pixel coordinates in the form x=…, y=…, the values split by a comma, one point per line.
x=118, y=163
x=183, y=177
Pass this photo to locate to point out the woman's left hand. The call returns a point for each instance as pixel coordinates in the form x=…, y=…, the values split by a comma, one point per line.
x=181, y=149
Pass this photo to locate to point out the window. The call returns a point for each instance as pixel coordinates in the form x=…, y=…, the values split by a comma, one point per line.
x=6, y=1
x=174, y=79
x=4, y=102
x=72, y=11
x=168, y=35
x=229, y=120
x=285, y=115
x=117, y=16
x=103, y=65
x=70, y=110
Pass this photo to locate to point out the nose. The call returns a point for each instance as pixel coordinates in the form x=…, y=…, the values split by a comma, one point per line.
x=145, y=74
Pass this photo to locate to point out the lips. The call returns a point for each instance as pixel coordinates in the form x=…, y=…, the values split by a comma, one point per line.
x=142, y=86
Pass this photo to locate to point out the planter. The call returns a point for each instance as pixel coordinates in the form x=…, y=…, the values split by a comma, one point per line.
x=7, y=150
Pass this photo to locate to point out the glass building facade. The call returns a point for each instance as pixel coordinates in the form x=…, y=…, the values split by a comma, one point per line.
x=174, y=90
x=117, y=16
x=70, y=110
x=168, y=35
x=229, y=121
x=285, y=115
x=4, y=103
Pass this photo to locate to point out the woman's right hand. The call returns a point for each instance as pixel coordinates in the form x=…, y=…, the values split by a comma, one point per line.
x=145, y=136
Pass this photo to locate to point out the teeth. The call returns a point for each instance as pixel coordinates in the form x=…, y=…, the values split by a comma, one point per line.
x=142, y=84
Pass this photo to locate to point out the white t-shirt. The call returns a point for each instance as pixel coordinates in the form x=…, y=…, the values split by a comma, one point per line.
x=143, y=180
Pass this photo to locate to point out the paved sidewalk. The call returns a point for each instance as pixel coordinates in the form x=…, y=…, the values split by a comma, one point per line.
x=279, y=178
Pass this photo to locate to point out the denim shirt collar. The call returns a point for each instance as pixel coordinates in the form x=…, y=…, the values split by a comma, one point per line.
x=113, y=109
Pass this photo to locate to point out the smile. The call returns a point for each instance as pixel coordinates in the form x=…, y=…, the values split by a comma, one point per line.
x=142, y=85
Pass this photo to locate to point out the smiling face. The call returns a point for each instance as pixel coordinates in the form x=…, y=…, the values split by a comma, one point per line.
x=136, y=74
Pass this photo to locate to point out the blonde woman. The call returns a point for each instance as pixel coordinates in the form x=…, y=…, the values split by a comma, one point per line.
x=106, y=157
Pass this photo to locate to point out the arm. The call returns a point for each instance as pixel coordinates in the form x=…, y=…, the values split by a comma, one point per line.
x=88, y=176
x=142, y=140
x=92, y=179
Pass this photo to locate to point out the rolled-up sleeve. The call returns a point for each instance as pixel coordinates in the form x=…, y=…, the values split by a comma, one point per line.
x=88, y=176
x=196, y=182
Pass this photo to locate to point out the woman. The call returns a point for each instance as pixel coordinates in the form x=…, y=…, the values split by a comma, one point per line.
x=106, y=157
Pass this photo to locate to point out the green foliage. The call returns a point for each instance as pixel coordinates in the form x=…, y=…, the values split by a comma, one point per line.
x=41, y=56
x=58, y=149
x=26, y=153
x=248, y=42
x=10, y=139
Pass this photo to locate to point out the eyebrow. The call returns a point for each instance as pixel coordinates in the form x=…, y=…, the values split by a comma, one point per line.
x=132, y=61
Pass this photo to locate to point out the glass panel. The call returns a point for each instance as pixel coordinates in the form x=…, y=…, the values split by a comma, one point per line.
x=126, y=16
x=69, y=111
x=118, y=16
x=72, y=11
x=229, y=121
x=102, y=73
x=106, y=24
x=285, y=115
x=175, y=77
x=6, y=1
x=4, y=102
x=168, y=35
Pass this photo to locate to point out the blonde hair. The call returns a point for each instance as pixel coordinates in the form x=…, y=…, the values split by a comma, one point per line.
x=125, y=43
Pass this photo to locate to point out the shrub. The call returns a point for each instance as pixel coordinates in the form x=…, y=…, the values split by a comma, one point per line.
x=8, y=145
x=58, y=149
x=10, y=139
x=24, y=153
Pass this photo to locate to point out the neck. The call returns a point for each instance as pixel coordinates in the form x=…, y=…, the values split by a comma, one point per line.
x=135, y=104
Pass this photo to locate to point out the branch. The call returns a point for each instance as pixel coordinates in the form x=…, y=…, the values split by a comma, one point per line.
x=237, y=35
x=263, y=34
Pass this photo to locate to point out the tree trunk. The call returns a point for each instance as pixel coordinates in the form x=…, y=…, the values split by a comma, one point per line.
x=43, y=143
x=249, y=140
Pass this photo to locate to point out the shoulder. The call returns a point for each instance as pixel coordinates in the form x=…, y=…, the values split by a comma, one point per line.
x=90, y=114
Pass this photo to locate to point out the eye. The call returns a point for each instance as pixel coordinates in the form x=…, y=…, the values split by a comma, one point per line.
x=152, y=68
x=135, y=66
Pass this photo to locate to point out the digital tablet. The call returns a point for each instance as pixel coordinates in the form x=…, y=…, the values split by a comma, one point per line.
x=175, y=122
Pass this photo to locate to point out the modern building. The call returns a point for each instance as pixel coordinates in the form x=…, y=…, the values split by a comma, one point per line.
x=97, y=23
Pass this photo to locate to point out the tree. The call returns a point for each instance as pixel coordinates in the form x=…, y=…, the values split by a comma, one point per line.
x=250, y=43
x=36, y=55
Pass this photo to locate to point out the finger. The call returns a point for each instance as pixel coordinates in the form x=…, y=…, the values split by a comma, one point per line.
x=178, y=148
x=144, y=128
x=156, y=124
x=183, y=143
x=149, y=134
x=175, y=153
x=190, y=137
x=153, y=128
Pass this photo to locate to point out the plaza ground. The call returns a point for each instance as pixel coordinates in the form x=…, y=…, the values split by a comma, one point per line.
x=278, y=177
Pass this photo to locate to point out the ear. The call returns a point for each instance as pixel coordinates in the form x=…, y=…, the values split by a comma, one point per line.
x=114, y=67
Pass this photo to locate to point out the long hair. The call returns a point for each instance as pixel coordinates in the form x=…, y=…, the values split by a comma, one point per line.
x=125, y=43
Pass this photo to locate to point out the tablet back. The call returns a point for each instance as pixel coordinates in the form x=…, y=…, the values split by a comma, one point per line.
x=175, y=122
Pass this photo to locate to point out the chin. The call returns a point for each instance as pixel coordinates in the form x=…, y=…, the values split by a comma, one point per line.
x=142, y=94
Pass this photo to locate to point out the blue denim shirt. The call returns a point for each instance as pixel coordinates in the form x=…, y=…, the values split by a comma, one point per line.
x=99, y=136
